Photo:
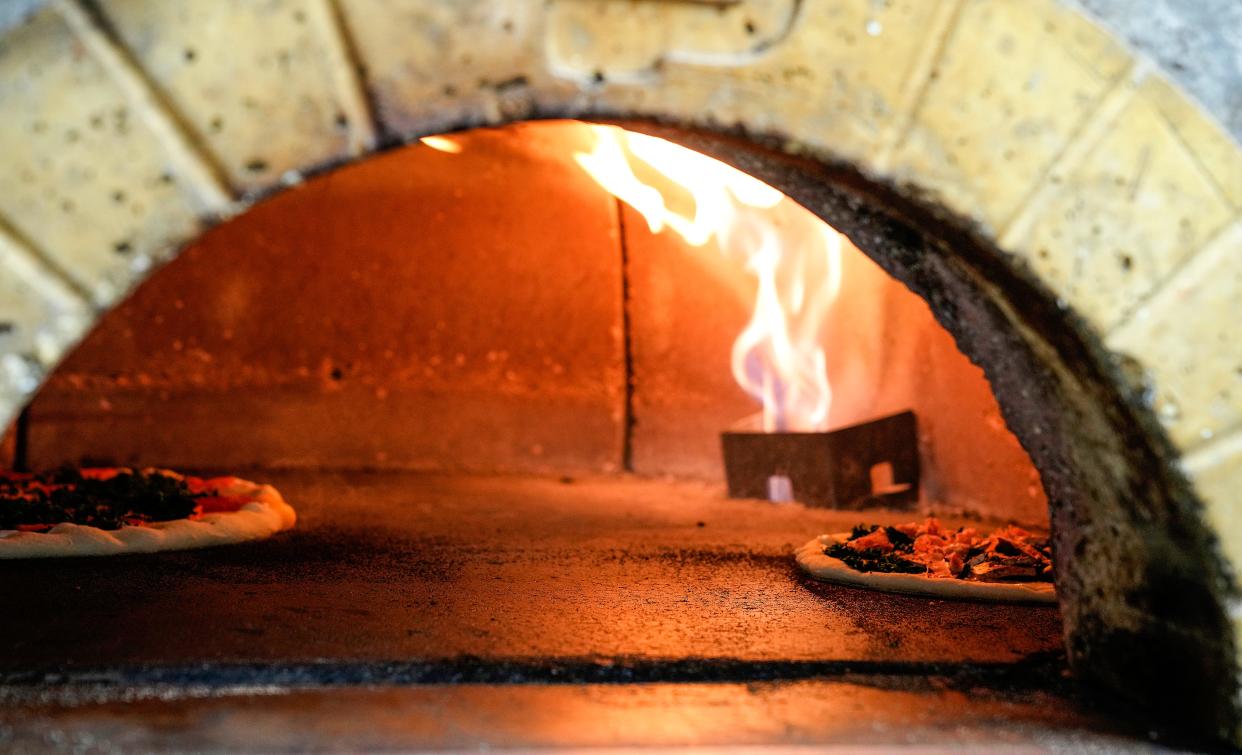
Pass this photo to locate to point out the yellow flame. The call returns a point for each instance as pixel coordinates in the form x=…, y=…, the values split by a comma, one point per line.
x=442, y=143
x=795, y=257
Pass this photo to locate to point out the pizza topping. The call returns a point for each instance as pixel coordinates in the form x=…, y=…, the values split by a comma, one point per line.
x=211, y=485
x=215, y=504
x=955, y=564
x=1011, y=554
x=107, y=499
x=910, y=530
x=873, y=560
x=877, y=541
x=993, y=571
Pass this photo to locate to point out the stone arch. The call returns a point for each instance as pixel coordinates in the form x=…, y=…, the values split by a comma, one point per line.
x=1093, y=194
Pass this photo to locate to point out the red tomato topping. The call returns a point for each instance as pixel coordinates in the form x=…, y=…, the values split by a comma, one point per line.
x=101, y=473
x=209, y=485
x=877, y=540
x=210, y=504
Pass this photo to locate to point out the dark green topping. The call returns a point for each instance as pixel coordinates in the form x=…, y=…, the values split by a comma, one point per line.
x=873, y=559
x=861, y=530
x=1006, y=548
x=64, y=495
x=900, y=540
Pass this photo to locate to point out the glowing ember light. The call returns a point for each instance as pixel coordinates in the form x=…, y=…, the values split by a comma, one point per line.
x=795, y=257
x=442, y=143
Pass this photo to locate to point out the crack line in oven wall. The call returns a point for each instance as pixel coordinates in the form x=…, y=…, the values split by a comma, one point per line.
x=627, y=419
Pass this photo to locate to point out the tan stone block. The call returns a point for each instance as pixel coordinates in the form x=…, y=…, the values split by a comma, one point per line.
x=1216, y=470
x=1016, y=80
x=835, y=78
x=432, y=66
x=836, y=84
x=39, y=319
x=584, y=36
x=252, y=82
x=83, y=177
x=1217, y=153
x=1187, y=338
x=1120, y=222
x=421, y=309
x=11, y=399
x=37, y=316
x=40, y=316
x=583, y=39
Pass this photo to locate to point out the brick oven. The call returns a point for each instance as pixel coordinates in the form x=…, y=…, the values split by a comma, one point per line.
x=495, y=391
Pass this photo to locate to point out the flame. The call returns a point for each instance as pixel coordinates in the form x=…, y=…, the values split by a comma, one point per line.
x=442, y=143
x=795, y=257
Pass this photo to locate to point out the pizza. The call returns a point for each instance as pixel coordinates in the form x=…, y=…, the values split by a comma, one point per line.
x=926, y=558
x=104, y=512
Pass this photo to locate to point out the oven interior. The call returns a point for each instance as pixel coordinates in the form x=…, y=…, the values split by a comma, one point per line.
x=494, y=394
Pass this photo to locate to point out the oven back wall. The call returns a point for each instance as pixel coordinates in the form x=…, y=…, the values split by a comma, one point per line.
x=464, y=311
x=417, y=310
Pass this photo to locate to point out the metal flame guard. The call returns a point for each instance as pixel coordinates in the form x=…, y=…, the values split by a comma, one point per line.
x=829, y=469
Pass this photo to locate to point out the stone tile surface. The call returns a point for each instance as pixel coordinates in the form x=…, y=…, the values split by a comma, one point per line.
x=836, y=78
x=24, y=315
x=1014, y=84
x=84, y=179
x=577, y=35
x=252, y=82
x=8, y=447
x=433, y=66
x=1214, y=149
x=1123, y=220
x=39, y=313
x=1216, y=470
x=1188, y=335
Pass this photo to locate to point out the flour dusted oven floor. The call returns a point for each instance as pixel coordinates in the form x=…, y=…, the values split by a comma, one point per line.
x=447, y=611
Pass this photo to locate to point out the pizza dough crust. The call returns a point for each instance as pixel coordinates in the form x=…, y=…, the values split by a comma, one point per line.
x=814, y=561
x=260, y=518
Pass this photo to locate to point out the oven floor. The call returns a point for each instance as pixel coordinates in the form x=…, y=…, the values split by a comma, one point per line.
x=386, y=567
x=644, y=594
